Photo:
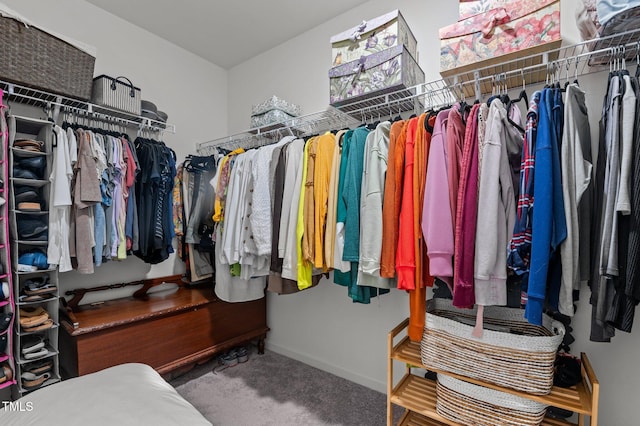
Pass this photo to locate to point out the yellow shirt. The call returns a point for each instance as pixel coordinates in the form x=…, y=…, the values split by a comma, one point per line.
x=332, y=204
x=304, y=267
x=308, y=239
x=223, y=183
x=325, y=148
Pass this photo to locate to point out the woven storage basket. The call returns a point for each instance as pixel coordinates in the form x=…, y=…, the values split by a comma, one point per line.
x=34, y=58
x=511, y=352
x=470, y=404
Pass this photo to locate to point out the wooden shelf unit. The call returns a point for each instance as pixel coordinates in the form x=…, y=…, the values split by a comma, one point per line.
x=418, y=395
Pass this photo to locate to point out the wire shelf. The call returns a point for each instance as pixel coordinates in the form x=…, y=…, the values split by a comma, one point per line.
x=552, y=62
x=51, y=102
x=561, y=63
x=301, y=126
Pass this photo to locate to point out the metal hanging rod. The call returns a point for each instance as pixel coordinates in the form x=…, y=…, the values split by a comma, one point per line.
x=50, y=101
x=305, y=125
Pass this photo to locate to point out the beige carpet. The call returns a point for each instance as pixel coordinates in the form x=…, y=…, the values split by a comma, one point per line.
x=271, y=389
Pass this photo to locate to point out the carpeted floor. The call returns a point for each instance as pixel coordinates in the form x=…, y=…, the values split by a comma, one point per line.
x=271, y=389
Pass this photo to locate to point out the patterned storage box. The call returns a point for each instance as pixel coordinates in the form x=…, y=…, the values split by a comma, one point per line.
x=371, y=37
x=270, y=117
x=521, y=28
x=275, y=103
x=469, y=8
x=386, y=71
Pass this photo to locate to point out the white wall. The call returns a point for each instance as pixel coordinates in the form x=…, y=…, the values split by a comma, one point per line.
x=192, y=91
x=321, y=326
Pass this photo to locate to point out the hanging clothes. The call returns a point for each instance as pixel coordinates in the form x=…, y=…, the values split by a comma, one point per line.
x=371, y=234
x=437, y=226
x=466, y=216
x=342, y=272
x=325, y=148
x=549, y=226
x=628, y=297
x=155, y=203
x=392, y=198
x=520, y=245
x=332, y=203
x=86, y=193
x=423, y=278
x=60, y=203
x=351, y=194
x=406, y=254
x=496, y=209
x=287, y=246
x=576, y=179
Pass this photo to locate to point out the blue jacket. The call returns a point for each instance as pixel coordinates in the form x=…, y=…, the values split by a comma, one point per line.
x=549, y=228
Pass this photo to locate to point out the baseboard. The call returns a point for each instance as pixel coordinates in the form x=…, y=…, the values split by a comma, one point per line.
x=318, y=363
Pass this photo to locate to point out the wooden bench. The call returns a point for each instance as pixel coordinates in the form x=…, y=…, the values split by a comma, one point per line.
x=170, y=331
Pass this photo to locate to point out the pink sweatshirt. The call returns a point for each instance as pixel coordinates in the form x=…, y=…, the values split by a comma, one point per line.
x=455, y=146
x=437, y=225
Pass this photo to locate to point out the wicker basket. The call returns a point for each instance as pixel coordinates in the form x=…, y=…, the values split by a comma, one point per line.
x=34, y=58
x=511, y=352
x=469, y=404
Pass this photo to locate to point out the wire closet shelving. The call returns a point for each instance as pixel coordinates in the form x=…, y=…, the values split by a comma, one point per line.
x=561, y=63
x=54, y=104
x=304, y=125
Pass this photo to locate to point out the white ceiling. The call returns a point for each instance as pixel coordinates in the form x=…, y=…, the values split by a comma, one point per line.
x=226, y=33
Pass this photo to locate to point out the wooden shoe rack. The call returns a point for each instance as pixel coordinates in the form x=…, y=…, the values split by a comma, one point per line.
x=417, y=395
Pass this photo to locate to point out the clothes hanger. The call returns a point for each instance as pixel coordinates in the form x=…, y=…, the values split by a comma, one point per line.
x=522, y=97
x=638, y=59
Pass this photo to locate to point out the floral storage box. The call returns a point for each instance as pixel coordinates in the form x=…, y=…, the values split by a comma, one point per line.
x=469, y=8
x=371, y=37
x=386, y=71
x=517, y=30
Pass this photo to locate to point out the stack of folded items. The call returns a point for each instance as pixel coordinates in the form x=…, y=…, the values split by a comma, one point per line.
x=37, y=289
x=35, y=319
x=5, y=323
x=32, y=228
x=34, y=347
x=28, y=198
x=36, y=373
x=273, y=110
x=32, y=260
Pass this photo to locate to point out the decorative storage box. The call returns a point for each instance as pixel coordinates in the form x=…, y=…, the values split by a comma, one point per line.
x=274, y=103
x=373, y=36
x=118, y=93
x=469, y=8
x=469, y=404
x=517, y=30
x=511, y=352
x=385, y=71
x=37, y=59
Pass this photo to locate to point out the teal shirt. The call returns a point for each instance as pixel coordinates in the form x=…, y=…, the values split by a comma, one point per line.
x=339, y=277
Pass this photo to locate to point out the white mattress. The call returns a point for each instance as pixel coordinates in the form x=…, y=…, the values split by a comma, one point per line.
x=128, y=394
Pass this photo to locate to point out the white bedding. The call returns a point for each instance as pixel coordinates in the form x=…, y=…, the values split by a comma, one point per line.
x=128, y=394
